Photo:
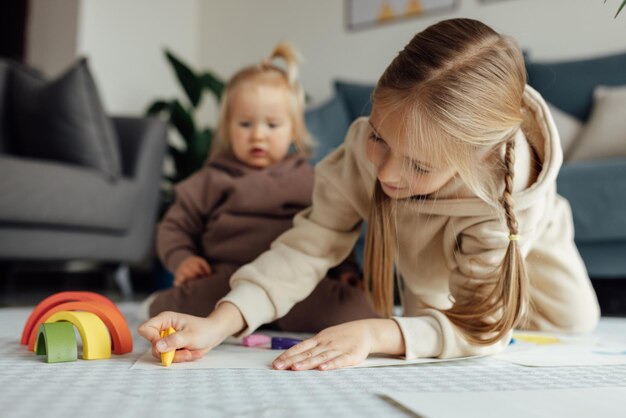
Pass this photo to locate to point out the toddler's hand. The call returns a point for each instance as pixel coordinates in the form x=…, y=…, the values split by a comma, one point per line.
x=193, y=338
x=351, y=278
x=191, y=268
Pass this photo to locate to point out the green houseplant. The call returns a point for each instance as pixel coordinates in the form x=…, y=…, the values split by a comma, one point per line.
x=180, y=115
x=197, y=139
x=620, y=7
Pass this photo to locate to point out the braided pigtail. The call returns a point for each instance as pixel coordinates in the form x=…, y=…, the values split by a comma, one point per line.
x=489, y=319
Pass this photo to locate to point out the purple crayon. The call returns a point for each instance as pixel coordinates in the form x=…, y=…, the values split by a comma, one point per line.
x=283, y=343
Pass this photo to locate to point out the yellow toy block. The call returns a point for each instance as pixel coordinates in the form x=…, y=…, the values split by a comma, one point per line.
x=93, y=332
x=167, y=358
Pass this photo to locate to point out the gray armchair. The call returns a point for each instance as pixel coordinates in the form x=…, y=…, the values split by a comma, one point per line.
x=55, y=211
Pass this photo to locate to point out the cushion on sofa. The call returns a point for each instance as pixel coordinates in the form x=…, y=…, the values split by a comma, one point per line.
x=7, y=68
x=569, y=85
x=357, y=98
x=64, y=120
x=4, y=85
x=604, y=135
x=568, y=126
x=328, y=123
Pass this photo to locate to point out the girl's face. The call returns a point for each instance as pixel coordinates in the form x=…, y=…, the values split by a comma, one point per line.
x=260, y=125
x=403, y=172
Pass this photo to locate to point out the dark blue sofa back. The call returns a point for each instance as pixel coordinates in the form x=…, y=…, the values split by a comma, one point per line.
x=569, y=85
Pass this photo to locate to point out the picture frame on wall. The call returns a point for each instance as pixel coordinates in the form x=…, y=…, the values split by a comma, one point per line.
x=370, y=13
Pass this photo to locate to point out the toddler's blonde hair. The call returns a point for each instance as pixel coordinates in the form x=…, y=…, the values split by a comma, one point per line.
x=459, y=85
x=267, y=72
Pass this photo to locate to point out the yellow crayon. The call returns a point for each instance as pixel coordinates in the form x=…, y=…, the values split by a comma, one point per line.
x=166, y=358
x=536, y=339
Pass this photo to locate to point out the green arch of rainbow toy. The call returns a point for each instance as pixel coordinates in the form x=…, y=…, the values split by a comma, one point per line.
x=57, y=342
x=121, y=338
x=93, y=332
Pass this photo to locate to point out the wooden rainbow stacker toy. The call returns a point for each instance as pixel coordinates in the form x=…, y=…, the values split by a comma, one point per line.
x=103, y=329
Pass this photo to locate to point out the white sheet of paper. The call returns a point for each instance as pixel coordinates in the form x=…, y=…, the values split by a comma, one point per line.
x=571, y=403
x=568, y=351
x=566, y=355
x=234, y=356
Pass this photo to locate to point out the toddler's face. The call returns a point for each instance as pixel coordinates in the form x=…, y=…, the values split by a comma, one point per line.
x=260, y=125
x=402, y=172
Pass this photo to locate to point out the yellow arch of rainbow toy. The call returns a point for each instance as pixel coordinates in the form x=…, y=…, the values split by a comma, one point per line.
x=93, y=332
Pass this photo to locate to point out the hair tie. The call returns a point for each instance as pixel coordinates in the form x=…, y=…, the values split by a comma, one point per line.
x=513, y=237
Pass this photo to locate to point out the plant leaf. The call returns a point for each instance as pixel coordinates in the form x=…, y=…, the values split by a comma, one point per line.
x=157, y=107
x=188, y=79
x=173, y=151
x=201, y=146
x=213, y=83
x=620, y=8
x=183, y=121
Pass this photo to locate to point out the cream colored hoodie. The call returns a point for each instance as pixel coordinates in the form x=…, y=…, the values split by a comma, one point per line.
x=444, y=244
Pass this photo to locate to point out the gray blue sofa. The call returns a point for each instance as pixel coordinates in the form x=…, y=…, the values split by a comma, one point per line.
x=60, y=198
x=595, y=189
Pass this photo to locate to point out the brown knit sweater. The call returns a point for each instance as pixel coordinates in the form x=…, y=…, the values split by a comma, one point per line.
x=230, y=213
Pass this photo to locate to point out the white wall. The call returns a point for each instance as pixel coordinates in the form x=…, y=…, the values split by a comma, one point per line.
x=124, y=40
x=51, y=34
x=238, y=32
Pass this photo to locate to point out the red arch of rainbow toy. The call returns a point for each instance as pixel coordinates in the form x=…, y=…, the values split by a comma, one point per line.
x=108, y=312
x=121, y=339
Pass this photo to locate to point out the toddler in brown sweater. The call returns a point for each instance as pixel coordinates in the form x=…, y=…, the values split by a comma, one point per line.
x=229, y=212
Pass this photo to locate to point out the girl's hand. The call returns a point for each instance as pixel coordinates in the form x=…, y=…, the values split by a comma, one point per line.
x=335, y=347
x=194, y=336
x=191, y=268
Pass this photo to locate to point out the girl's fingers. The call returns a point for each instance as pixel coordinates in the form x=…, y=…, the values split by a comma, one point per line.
x=172, y=342
x=285, y=359
x=296, y=358
x=149, y=332
x=182, y=356
x=196, y=354
x=338, y=362
x=151, y=329
x=315, y=361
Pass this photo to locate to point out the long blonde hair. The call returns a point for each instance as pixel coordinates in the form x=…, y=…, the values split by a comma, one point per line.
x=267, y=72
x=460, y=85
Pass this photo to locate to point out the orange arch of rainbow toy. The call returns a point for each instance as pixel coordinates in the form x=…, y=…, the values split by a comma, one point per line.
x=57, y=299
x=121, y=338
x=93, y=332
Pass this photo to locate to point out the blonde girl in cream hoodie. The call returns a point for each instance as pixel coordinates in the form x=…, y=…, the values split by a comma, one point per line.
x=454, y=171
